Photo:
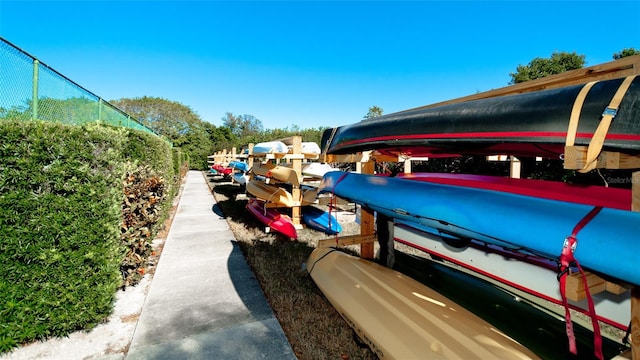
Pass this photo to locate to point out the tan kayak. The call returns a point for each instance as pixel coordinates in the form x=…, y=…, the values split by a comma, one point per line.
x=400, y=318
x=279, y=196
x=279, y=172
x=270, y=193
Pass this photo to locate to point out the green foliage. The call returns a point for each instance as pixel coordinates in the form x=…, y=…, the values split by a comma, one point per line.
x=540, y=67
x=626, y=52
x=144, y=194
x=242, y=125
x=60, y=199
x=68, y=111
x=180, y=164
x=146, y=148
x=167, y=118
x=178, y=123
x=374, y=111
x=198, y=145
x=61, y=215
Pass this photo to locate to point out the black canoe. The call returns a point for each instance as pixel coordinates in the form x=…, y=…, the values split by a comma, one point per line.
x=527, y=124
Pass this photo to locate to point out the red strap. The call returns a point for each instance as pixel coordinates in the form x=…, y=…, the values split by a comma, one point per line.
x=566, y=259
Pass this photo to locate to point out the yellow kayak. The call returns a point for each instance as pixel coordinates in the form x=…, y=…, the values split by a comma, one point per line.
x=279, y=196
x=279, y=172
x=400, y=318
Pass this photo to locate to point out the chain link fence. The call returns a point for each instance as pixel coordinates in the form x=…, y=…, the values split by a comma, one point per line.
x=31, y=90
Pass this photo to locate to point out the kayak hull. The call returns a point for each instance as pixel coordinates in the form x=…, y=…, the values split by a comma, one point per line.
x=526, y=223
x=400, y=318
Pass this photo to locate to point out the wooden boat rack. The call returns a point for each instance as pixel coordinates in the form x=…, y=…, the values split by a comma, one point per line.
x=295, y=156
x=574, y=159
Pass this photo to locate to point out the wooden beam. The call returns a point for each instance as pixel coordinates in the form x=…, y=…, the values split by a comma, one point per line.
x=407, y=166
x=350, y=158
x=250, y=159
x=347, y=240
x=361, y=157
x=635, y=191
x=575, y=156
x=296, y=193
x=635, y=323
x=616, y=289
x=515, y=167
x=367, y=221
x=624, y=67
x=635, y=291
x=575, y=289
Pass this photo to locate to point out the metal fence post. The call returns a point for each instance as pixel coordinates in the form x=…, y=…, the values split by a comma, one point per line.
x=34, y=95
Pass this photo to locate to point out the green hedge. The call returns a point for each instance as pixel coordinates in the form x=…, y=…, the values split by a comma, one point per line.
x=61, y=210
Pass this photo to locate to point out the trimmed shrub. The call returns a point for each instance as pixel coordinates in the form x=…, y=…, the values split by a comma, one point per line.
x=62, y=204
x=60, y=199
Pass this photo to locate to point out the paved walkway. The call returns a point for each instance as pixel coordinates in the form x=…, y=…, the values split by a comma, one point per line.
x=204, y=302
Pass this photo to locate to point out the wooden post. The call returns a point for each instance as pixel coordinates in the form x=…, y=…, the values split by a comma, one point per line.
x=634, y=337
x=514, y=167
x=296, y=193
x=359, y=167
x=407, y=166
x=367, y=221
x=635, y=291
x=250, y=159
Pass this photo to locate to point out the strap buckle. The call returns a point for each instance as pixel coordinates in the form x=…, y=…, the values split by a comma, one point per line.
x=609, y=111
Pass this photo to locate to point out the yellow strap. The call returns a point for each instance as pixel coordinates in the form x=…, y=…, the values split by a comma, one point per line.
x=575, y=113
x=597, y=141
x=328, y=144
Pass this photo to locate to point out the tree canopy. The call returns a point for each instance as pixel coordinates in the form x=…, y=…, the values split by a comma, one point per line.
x=558, y=62
x=178, y=123
x=626, y=52
x=540, y=67
x=169, y=118
x=242, y=125
x=198, y=139
x=374, y=111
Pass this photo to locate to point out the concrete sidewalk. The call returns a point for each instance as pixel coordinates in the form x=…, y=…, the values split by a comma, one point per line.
x=204, y=302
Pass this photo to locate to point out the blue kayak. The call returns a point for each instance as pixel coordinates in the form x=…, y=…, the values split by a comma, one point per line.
x=608, y=244
x=239, y=165
x=320, y=220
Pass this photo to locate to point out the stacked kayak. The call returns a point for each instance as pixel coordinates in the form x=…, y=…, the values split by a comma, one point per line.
x=530, y=224
x=320, y=220
x=511, y=232
x=272, y=218
x=527, y=124
x=400, y=318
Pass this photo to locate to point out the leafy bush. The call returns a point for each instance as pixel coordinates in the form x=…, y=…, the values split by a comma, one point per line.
x=61, y=221
x=60, y=216
x=143, y=195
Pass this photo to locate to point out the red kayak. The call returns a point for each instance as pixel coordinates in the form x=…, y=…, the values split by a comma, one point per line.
x=608, y=197
x=272, y=218
x=221, y=169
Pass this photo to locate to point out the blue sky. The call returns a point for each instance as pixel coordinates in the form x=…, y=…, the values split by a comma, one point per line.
x=309, y=63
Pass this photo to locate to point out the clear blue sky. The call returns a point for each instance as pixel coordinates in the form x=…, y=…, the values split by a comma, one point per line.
x=310, y=63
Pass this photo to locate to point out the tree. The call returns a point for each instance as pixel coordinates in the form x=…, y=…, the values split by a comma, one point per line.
x=374, y=111
x=539, y=67
x=168, y=118
x=242, y=125
x=625, y=52
x=196, y=138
